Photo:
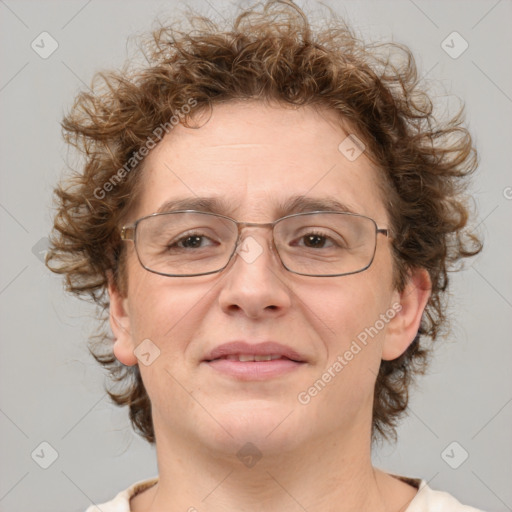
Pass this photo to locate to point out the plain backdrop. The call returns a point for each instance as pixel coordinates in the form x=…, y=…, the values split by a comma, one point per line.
x=51, y=390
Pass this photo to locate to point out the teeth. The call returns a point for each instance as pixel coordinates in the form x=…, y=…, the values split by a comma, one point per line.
x=263, y=358
x=251, y=357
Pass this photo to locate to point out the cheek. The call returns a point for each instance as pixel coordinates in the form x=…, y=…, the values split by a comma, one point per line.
x=345, y=308
x=166, y=310
x=347, y=313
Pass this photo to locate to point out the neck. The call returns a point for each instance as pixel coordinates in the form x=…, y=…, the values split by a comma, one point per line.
x=335, y=474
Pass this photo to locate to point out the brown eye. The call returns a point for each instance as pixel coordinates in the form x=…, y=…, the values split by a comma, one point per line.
x=314, y=241
x=191, y=241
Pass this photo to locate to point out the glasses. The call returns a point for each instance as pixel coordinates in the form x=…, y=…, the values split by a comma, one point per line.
x=189, y=243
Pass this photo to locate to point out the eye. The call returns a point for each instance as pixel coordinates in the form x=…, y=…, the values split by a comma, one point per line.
x=319, y=239
x=315, y=240
x=190, y=241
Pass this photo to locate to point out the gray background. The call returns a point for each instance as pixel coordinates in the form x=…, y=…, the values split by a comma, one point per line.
x=52, y=390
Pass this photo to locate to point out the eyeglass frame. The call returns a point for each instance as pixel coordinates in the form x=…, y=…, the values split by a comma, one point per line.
x=129, y=233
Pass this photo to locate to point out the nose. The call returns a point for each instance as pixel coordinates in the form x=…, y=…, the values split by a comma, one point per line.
x=255, y=282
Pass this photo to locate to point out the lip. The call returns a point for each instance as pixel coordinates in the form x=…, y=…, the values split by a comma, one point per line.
x=258, y=349
x=254, y=370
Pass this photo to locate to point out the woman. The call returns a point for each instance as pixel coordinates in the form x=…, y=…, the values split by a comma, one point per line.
x=268, y=214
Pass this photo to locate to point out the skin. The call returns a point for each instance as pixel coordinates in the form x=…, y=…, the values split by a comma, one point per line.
x=315, y=456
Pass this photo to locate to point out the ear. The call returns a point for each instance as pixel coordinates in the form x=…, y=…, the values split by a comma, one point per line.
x=409, y=304
x=120, y=325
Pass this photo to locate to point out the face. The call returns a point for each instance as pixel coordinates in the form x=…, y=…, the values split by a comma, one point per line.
x=253, y=158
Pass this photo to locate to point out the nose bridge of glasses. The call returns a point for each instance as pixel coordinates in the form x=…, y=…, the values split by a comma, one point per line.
x=249, y=226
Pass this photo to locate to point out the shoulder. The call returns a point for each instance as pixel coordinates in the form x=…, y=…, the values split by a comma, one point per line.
x=121, y=502
x=429, y=500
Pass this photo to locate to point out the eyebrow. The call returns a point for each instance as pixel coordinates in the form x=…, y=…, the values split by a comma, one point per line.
x=294, y=204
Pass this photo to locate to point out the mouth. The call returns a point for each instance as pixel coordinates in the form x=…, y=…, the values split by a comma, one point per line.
x=262, y=361
x=246, y=358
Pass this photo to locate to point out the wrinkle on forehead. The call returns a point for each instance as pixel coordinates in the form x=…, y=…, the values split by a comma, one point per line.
x=256, y=156
x=237, y=145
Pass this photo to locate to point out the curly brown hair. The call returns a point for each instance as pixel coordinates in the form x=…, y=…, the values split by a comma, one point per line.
x=271, y=52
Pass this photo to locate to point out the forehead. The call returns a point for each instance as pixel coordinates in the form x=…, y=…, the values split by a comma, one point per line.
x=252, y=158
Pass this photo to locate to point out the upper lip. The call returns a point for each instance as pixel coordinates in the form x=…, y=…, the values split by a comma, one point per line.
x=258, y=349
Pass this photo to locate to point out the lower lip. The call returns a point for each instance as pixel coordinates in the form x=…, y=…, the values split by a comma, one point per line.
x=254, y=370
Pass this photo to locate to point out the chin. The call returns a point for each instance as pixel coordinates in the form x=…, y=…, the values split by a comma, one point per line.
x=223, y=426
x=268, y=426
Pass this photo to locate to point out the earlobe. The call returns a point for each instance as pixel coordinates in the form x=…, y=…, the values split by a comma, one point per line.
x=120, y=325
x=403, y=328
